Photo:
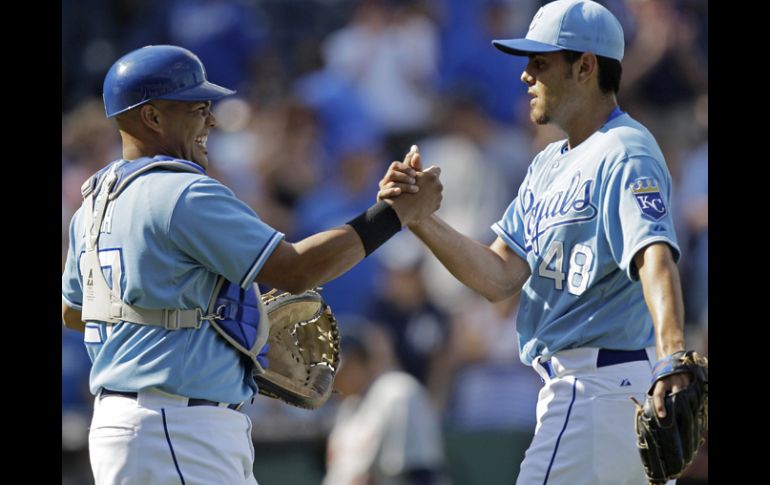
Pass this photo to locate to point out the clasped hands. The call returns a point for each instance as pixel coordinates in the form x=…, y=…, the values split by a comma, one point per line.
x=413, y=193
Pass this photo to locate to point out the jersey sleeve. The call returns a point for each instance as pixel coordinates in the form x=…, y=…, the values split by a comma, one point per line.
x=637, y=210
x=214, y=227
x=71, y=288
x=511, y=227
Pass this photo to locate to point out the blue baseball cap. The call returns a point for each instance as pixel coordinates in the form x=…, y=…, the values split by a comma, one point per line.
x=576, y=25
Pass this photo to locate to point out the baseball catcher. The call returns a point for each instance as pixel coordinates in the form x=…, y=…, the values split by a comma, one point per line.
x=668, y=445
x=161, y=253
x=301, y=341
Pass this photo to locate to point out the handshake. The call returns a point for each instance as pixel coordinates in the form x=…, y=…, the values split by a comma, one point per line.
x=413, y=193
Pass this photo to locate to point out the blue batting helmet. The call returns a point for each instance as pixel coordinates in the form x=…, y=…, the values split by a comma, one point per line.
x=157, y=72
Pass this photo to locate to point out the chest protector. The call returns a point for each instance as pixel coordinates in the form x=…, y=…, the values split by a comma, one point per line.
x=232, y=311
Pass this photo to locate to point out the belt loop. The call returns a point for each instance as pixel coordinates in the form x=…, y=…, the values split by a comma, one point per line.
x=543, y=368
x=549, y=367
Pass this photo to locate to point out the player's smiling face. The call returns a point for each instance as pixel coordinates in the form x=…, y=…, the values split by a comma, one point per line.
x=548, y=77
x=186, y=128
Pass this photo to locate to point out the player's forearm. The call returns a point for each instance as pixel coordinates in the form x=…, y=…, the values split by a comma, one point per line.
x=329, y=254
x=663, y=293
x=296, y=267
x=472, y=263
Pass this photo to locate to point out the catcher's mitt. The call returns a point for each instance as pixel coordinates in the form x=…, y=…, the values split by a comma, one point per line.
x=304, y=349
x=668, y=445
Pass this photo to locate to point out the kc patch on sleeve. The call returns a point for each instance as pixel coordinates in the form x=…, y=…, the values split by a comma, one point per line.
x=648, y=198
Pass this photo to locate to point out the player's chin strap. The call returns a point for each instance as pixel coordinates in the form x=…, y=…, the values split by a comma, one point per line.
x=100, y=303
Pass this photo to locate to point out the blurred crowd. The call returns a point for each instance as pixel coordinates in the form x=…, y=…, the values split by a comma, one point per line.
x=329, y=93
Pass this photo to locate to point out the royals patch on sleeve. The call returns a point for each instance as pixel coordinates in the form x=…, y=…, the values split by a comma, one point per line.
x=648, y=198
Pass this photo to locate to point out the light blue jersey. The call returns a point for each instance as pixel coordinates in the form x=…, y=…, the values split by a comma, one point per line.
x=165, y=240
x=579, y=218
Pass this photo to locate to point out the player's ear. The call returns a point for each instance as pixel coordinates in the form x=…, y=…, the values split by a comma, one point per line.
x=150, y=116
x=587, y=66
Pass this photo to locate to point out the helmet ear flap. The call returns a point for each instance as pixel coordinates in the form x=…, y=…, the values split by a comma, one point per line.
x=157, y=72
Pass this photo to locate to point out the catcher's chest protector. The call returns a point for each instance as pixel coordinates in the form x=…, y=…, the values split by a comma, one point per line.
x=234, y=312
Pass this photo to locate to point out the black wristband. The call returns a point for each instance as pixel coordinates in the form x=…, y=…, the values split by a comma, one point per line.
x=376, y=225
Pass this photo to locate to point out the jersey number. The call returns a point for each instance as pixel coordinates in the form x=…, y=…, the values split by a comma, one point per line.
x=580, y=261
x=112, y=268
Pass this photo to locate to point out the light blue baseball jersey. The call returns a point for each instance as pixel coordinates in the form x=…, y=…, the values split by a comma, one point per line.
x=578, y=220
x=165, y=239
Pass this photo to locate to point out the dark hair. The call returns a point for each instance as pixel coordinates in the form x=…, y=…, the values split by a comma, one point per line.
x=610, y=71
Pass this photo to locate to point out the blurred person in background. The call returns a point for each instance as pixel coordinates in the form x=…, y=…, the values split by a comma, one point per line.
x=343, y=195
x=486, y=371
x=694, y=215
x=389, y=51
x=467, y=64
x=418, y=329
x=228, y=36
x=386, y=431
x=481, y=162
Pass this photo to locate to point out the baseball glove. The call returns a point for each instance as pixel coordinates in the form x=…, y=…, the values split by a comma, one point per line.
x=303, y=349
x=668, y=445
